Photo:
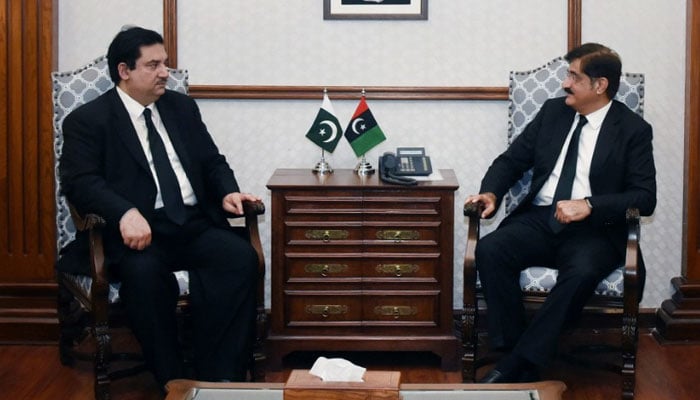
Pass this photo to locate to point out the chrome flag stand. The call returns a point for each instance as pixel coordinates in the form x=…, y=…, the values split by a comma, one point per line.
x=364, y=167
x=322, y=166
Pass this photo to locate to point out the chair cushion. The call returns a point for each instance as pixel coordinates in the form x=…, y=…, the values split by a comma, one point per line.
x=85, y=282
x=541, y=279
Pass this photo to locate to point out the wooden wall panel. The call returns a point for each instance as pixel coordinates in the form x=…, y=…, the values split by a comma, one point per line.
x=27, y=238
x=27, y=228
x=678, y=318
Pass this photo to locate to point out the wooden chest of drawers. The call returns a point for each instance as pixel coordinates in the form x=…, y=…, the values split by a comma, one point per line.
x=358, y=264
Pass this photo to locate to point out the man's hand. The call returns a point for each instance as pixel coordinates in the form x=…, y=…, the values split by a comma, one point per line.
x=489, y=200
x=233, y=202
x=568, y=211
x=135, y=230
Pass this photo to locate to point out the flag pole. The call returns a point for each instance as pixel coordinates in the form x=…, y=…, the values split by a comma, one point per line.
x=364, y=167
x=323, y=167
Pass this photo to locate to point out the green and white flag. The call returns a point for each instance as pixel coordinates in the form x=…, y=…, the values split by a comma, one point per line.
x=362, y=132
x=326, y=130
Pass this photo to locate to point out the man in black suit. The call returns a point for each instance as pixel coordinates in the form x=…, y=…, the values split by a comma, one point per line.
x=141, y=157
x=573, y=218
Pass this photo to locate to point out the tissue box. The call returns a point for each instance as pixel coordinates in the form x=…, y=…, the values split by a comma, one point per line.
x=377, y=385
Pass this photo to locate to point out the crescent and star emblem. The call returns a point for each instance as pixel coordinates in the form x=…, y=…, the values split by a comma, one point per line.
x=334, y=130
x=354, y=125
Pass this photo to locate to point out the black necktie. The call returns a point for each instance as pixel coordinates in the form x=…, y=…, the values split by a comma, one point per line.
x=568, y=173
x=169, y=188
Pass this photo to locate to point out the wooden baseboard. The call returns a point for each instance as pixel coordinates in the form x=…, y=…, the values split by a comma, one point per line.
x=678, y=318
x=28, y=313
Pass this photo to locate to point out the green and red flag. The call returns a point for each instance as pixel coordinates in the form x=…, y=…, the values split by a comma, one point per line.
x=362, y=132
x=326, y=130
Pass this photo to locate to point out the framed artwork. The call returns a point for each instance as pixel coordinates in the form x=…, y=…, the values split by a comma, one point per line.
x=375, y=9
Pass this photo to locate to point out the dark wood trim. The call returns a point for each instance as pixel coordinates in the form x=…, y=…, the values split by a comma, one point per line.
x=170, y=31
x=290, y=92
x=678, y=319
x=574, y=23
x=28, y=313
x=692, y=137
x=347, y=92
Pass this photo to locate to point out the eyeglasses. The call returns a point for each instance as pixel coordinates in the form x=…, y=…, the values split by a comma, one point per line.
x=578, y=78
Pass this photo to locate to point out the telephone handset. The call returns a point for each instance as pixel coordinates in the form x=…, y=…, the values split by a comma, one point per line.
x=408, y=161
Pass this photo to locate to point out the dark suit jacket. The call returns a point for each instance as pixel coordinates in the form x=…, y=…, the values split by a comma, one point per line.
x=622, y=171
x=104, y=170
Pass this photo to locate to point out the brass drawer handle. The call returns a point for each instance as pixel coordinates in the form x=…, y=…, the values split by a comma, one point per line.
x=326, y=234
x=398, y=235
x=326, y=310
x=397, y=269
x=325, y=269
x=396, y=311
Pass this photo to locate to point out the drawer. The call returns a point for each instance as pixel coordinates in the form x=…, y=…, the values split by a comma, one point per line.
x=325, y=268
x=407, y=206
x=331, y=205
x=402, y=233
x=311, y=233
x=308, y=308
x=404, y=306
x=410, y=268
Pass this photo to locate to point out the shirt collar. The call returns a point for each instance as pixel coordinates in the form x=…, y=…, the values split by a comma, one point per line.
x=133, y=107
x=595, y=119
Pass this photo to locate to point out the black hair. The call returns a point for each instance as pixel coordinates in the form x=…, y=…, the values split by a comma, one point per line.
x=598, y=61
x=126, y=48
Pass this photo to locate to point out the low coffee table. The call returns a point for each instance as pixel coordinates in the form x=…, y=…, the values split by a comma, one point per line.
x=196, y=390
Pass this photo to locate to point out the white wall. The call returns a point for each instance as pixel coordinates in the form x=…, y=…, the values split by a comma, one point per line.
x=463, y=43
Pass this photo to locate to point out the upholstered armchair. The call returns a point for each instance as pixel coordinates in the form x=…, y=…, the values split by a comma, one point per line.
x=89, y=306
x=619, y=294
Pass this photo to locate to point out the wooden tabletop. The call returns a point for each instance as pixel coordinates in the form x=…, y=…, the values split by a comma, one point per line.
x=348, y=178
x=183, y=389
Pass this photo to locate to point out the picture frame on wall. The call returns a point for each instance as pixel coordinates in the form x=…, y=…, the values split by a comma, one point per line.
x=375, y=9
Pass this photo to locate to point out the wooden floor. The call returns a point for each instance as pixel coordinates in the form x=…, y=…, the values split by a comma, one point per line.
x=663, y=372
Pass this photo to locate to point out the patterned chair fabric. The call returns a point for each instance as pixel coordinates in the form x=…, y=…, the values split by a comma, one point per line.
x=527, y=91
x=70, y=90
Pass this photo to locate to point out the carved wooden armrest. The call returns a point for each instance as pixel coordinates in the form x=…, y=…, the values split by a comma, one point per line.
x=473, y=212
x=632, y=256
x=93, y=223
x=253, y=207
x=87, y=221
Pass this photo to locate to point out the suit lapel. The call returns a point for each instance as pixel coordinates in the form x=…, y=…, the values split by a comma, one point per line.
x=606, y=138
x=559, y=134
x=125, y=130
x=168, y=116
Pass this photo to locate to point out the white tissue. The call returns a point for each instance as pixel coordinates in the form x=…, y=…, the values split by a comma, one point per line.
x=337, y=370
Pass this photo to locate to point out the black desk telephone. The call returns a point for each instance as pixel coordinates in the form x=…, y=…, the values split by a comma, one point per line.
x=396, y=168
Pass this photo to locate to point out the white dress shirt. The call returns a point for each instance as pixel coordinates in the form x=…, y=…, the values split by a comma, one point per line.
x=586, y=146
x=135, y=110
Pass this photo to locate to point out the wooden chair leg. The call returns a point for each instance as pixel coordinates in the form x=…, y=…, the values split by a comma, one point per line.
x=103, y=354
x=72, y=322
x=630, y=338
x=259, y=357
x=469, y=344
